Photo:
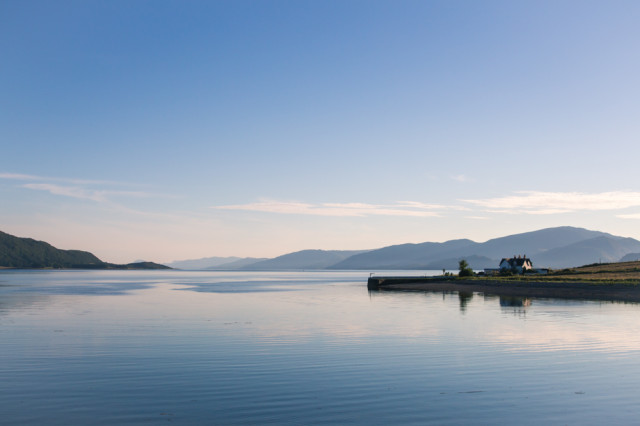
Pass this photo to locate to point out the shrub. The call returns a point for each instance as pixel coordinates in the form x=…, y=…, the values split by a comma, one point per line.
x=465, y=270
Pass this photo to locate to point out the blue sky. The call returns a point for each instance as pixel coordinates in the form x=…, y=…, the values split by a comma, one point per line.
x=167, y=130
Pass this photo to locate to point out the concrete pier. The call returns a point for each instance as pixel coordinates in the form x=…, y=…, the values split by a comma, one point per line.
x=375, y=283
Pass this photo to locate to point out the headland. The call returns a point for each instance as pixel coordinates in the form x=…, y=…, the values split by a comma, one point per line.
x=613, y=281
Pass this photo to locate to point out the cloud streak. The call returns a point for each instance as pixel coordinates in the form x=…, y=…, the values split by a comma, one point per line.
x=27, y=177
x=407, y=209
x=67, y=191
x=545, y=203
x=523, y=202
x=83, y=189
x=629, y=216
x=100, y=196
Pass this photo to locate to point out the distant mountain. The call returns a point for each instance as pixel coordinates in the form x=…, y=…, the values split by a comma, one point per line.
x=553, y=247
x=305, y=259
x=630, y=257
x=595, y=250
x=405, y=256
x=16, y=252
x=560, y=247
x=535, y=242
x=474, y=261
x=204, y=263
x=238, y=264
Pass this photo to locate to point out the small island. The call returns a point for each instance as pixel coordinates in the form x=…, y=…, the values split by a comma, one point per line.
x=603, y=281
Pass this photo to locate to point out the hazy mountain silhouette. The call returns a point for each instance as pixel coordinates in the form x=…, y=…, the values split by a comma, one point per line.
x=305, y=259
x=474, y=261
x=535, y=242
x=559, y=247
x=238, y=264
x=405, y=256
x=488, y=254
x=631, y=257
x=605, y=248
x=204, y=263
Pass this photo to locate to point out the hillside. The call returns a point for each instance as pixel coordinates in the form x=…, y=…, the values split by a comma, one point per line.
x=16, y=252
x=602, y=271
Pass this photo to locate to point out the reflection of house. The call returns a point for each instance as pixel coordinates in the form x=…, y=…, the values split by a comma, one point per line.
x=514, y=302
x=516, y=264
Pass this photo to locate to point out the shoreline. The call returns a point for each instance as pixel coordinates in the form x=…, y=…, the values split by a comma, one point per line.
x=582, y=290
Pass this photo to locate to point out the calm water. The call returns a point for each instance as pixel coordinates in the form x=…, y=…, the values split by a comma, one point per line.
x=111, y=347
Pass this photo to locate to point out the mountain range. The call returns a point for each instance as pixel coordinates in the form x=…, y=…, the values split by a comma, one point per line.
x=555, y=248
x=560, y=247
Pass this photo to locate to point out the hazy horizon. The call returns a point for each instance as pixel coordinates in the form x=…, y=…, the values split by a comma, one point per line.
x=168, y=131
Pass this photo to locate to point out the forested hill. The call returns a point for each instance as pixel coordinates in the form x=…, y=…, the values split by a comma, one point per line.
x=16, y=252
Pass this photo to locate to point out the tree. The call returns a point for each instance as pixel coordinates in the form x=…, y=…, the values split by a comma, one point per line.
x=464, y=268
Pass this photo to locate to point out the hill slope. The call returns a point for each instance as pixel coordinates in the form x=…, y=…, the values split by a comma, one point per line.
x=16, y=252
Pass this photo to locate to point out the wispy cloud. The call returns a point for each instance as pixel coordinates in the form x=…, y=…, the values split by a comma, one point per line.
x=97, y=195
x=544, y=203
x=85, y=189
x=27, y=177
x=407, y=208
x=461, y=178
x=67, y=191
x=18, y=176
x=629, y=216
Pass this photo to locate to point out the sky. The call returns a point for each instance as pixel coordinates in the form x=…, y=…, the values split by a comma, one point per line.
x=168, y=130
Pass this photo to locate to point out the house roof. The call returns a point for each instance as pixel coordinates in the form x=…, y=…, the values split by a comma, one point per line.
x=517, y=261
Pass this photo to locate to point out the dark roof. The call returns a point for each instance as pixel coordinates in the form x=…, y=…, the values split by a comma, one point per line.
x=516, y=261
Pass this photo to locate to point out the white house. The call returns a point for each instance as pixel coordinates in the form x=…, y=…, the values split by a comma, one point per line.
x=518, y=264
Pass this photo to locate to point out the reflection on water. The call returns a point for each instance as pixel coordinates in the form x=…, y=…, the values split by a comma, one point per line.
x=464, y=297
x=122, y=347
x=516, y=302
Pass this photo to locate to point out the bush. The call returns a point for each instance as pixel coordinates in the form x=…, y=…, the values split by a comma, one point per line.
x=465, y=270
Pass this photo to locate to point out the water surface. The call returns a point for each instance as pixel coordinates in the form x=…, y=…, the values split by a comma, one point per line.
x=132, y=347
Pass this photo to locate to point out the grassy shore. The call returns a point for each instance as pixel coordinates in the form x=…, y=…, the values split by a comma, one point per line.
x=614, y=281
